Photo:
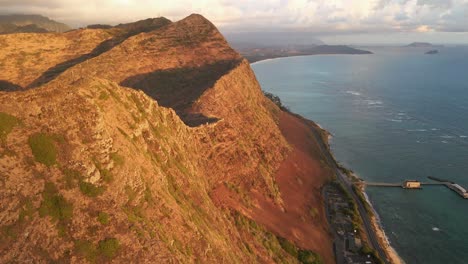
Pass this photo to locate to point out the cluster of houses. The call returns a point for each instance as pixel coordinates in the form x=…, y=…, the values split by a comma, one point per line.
x=348, y=243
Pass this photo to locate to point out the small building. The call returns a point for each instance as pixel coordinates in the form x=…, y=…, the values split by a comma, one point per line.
x=353, y=243
x=412, y=184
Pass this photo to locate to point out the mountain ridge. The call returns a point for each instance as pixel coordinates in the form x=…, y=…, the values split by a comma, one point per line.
x=18, y=23
x=99, y=163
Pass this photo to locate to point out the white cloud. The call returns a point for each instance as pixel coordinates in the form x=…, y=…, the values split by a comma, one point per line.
x=319, y=15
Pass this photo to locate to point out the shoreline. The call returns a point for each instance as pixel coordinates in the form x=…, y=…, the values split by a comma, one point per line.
x=374, y=226
x=377, y=227
x=380, y=232
x=304, y=55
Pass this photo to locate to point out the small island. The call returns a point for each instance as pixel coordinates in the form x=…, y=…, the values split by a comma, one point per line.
x=422, y=45
x=432, y=52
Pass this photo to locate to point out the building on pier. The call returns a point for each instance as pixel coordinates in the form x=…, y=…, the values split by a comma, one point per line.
x=412, y=184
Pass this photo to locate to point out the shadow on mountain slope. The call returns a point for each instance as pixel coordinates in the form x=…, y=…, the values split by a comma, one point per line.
x=132, y=29
x=179, y=88
x=6, y=86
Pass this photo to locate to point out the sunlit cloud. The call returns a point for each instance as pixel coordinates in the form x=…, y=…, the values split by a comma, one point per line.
x=319, y=16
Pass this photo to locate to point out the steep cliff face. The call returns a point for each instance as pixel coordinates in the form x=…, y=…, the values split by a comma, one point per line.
x=160, y=146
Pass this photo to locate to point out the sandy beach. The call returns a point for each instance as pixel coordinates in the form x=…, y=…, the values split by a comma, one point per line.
x=383, y=240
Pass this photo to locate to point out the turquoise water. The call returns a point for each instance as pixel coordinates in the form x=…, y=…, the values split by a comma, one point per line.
x=394, y=115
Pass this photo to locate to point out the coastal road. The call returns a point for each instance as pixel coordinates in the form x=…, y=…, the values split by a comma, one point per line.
x=373, y=240
x=348, y=185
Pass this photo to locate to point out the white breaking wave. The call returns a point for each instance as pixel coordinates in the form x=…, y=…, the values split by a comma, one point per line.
x=322, y=73
x=447, y=136
x=416, y=130
x=374, y=102
x=353, y=93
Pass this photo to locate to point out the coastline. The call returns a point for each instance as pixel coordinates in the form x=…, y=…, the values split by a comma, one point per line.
x=391, y=254
x=380, y=242
x=303, y=55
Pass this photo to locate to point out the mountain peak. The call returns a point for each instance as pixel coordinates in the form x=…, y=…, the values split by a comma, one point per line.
x=196, y=20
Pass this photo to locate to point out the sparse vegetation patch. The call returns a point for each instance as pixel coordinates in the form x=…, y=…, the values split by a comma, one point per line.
x=118, y=160
x=71, y=178
x=103, y=96
x=103, y=218
x=54, y=204
x=308, y=257
x=90, y=189
x=276, y=100
x=86, y=249
x=106, y=248
x=7, y=123
x=43, y=148
x=109, y=247
x=106, y=175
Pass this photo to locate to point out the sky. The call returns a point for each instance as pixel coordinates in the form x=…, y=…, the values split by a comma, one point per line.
x=333, y=21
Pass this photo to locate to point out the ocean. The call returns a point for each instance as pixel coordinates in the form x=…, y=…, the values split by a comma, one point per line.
x=395, y=115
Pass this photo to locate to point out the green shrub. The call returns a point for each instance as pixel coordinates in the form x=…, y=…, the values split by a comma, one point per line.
x=308, y=257
x=366, y=250
x=103, y=218
x=106, y=248
x=303, y=256
x=26, y=212
x=9, y=231
x=54, y=204
x=86, y=249
x=103, y=95
x=314, y=212
x=90, y=189
x=71, y=177
x=118, y=160
x=62, y=230
x=43, y=148
x=106, y=175
x=109, y=247
x=7, y=123
x=288, y=246
x=276, y=100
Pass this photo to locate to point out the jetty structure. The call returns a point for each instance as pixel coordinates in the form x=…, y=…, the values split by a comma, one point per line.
x=458, y=189
x=414, y=184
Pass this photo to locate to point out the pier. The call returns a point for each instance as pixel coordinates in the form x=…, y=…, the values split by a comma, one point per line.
x=413, y=184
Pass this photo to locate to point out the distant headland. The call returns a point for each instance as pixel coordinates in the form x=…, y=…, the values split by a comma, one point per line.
x=255, y=53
